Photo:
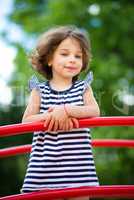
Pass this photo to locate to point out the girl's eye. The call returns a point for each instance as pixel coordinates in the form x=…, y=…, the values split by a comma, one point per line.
x=78, y=56
x=64, y=54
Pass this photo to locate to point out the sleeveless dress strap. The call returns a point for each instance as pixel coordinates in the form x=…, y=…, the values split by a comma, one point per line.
x=34, y=83
x=88, y=80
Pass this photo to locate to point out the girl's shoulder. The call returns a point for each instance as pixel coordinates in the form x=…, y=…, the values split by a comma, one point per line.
x=88, y=79
x=34, y=83
x=86, y=82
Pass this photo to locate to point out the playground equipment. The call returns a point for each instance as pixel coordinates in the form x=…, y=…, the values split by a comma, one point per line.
x=115, y=191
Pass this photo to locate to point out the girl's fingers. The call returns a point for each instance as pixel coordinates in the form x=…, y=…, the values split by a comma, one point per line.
x=61, y=125
x=67, y=126
x=47, y=121
x=50, y=125
x=55, y=126
x=75, y=122
x=70, y=124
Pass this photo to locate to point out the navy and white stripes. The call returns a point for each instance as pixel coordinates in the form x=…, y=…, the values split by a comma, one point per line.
x=60, y=159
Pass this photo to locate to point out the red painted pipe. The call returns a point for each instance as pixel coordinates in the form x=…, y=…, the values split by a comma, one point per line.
x=16, y=129
x=93, y=192
x=12, y=151
x=113, y=143
x=116, y=191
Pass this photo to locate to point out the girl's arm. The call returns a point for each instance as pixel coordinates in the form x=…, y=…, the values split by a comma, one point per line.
x=31, y=113
x=90, y=108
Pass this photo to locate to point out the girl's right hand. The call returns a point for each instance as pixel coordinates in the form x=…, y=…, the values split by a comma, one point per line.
x=70, y=124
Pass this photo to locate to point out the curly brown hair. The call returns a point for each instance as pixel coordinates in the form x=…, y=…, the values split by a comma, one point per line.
x=49, y=41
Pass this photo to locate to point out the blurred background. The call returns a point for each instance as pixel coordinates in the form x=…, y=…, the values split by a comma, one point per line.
x=110, y=25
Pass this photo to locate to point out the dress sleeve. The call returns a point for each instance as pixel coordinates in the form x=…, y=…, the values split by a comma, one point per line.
x=88, y=80
x=34, y=83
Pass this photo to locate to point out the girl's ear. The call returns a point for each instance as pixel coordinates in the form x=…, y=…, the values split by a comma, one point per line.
x=49, y=64
x=50, y=60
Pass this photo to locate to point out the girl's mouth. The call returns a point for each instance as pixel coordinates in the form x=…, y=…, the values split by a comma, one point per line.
x=71, y=68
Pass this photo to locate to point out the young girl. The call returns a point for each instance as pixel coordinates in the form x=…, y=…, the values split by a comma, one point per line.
x=61, y=157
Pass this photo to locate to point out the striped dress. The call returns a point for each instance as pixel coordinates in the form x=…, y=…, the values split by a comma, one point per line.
x=60, y=159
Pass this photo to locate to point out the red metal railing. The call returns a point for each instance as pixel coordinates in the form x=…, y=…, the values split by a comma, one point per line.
x=16, y=129
x=115, y=191
x=113, y=143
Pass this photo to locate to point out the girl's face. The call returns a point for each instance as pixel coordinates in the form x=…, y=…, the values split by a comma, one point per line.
x=66, y=61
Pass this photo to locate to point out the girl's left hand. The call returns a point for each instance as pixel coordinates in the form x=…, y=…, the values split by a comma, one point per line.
x=60, y=120
x=70, y=124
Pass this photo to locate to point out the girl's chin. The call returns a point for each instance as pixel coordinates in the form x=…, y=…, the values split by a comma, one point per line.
x=71, y=73
x=70, y=76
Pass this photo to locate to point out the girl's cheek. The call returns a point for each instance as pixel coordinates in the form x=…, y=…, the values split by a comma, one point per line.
x=61, y=59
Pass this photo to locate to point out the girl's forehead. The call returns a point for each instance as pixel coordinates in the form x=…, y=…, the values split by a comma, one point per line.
x=70, y=43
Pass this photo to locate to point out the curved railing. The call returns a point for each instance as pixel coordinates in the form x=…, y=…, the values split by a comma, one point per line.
x=115, y=191
x=16, y=129
x=113, y=143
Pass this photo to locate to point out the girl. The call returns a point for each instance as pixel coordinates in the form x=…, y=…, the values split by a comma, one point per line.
x=61, y=156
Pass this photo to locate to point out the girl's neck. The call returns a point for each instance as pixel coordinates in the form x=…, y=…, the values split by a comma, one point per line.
x=60, y=83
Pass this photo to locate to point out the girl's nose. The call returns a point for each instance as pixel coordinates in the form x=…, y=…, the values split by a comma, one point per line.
x=72, y=58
